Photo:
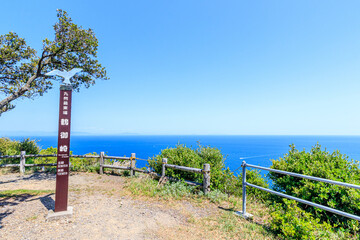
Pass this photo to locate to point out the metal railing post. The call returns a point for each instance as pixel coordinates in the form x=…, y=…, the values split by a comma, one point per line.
x=244, y=188
x=243, y=213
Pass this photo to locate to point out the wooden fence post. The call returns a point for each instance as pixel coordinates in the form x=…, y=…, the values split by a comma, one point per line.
x=164, y=162
x=132, y=164
x=22, y=162
x=206, y=181
x=101, y=162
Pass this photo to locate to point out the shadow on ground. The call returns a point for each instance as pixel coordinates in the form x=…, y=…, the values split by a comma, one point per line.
x=11, y=201
x=46, y=200
x=34, y=176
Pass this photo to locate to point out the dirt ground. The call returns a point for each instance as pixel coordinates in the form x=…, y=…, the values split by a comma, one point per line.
x=102, y=210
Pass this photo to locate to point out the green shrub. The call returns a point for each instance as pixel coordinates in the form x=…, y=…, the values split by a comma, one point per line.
x=319, y=163
x=291, y=222
x=176, y=190
x=181, y=155
x=85, y=164
x=13, y=147
x=29, y=146
x=151, y=187
x=9, y=147
x=126, y=173
x=222, y=178
x=216, y=196
x=47, y=151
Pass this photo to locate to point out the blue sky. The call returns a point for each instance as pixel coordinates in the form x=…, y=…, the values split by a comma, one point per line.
x=203, y=67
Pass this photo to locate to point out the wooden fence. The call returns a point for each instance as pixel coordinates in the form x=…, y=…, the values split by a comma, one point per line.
x=132, y=167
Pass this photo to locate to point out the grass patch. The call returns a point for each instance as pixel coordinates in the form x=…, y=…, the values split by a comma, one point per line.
x=18, y=192
x=32, y=218
x=171, y=190
x=151, y=188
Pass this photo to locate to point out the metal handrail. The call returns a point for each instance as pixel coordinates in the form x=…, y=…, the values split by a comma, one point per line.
x=333, y=210
x=306, y=176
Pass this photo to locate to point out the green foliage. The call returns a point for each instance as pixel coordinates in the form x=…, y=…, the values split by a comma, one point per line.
x=8, y=147
x=22, y=71
x=291, y=222
x=47, y=151
x=13, y=147
x=254, y=177
x=85, y=164
x=182, y=156
x=319, y=163
x=126, y=173
x=222, y=178
x=176, y=190
x=216, y=196
x=151, y=187
x=29, y=146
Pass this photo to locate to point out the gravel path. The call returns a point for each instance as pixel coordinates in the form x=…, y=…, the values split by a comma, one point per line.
x=102, y=210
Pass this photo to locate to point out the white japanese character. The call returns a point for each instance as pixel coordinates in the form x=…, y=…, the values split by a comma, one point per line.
x=63, y=148
x=64, y=121
x=64, y=135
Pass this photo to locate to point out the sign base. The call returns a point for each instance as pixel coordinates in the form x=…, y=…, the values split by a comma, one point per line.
x=56, y=215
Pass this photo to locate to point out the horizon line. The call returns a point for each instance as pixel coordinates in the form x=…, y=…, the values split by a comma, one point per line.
x=135, y=135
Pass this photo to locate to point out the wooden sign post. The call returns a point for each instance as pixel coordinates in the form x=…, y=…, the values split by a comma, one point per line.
x=62, y=169
x=63, y=151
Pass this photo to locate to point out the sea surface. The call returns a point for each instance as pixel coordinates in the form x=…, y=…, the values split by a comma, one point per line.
x=258, y=150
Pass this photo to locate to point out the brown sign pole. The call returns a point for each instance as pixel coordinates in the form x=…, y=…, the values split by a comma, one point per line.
x=63, y=151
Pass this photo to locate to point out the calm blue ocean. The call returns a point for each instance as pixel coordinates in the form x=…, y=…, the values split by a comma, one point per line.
x=253, y=149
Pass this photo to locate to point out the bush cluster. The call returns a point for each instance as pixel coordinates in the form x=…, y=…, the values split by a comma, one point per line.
x=13, y=147
x=151, y=187
x=222, y=178
x=321, y=163
x=291, y=222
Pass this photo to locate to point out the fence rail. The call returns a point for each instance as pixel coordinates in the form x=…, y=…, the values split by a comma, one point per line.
x=186, y=169
x=333, y=210
x=132, y=168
